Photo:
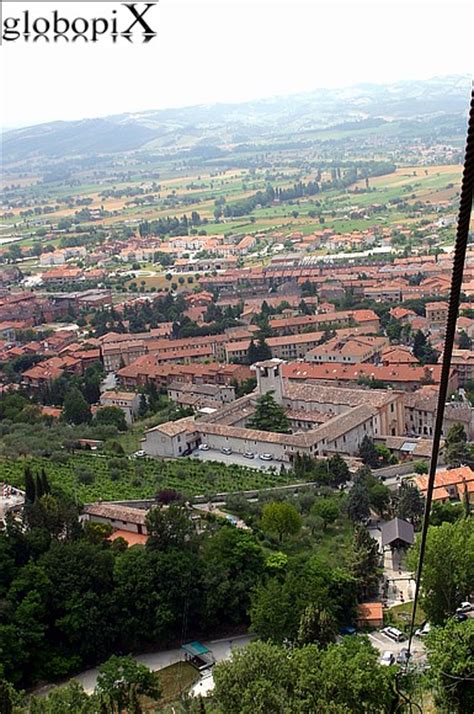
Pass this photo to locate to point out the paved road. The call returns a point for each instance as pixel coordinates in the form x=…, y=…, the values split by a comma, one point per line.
x=221, y=650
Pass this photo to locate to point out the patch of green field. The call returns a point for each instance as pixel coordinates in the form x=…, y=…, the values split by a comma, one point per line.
x=400, y=615
x=174, y=680
x=123, y=478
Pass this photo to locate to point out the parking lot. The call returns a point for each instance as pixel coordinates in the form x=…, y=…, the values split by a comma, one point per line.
x=236, y=459
x=383, y=643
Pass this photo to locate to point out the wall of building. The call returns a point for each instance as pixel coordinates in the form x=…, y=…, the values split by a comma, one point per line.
x=118, y=524
x=240, y=445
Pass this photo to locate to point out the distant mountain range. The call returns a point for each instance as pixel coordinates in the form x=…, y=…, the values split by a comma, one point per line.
x=266, y=120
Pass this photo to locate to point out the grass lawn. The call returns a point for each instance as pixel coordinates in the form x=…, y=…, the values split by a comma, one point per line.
x=401, y=615
x=175, y=680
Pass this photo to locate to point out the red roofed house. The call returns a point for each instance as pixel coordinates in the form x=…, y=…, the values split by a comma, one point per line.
x=449, y=484
x=369, y=614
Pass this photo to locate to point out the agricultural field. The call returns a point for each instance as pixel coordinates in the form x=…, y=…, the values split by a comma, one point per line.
x=409, y=194
x=89, y=477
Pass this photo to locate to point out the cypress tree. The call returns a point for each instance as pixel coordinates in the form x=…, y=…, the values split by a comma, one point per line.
x=45, y=482
x=30, y=489
x=39, y=486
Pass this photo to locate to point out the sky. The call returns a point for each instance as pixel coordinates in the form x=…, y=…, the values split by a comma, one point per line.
x=227, y=51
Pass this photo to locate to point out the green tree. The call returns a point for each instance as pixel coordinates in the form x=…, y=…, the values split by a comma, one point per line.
x=76, y=410
x=269, y=415
x=411, y=503
x=233, y=563
x=30, y=486
x=316, y=625
x=252, y=353
x=365, y=563
x=423, y=350
x=67, y=699
x=338, y=470
x=143, y=406
x=448, y=570
x=258, y=352
x=169, y=527
x=368, y=452
x=46, y=488
x=464, y=341
x=445, y=512
x=456, y=449
x=9, y=698
x=278, y=604
x=122, y=681
x=345, y=677
x=254, y=681
x=327, y=509
x=112, y=416
x=281, y=518
x=57, y=516
x=342, y=678
x=155, y=593
x=451, y=665
x=379, y=497
x=358, y=504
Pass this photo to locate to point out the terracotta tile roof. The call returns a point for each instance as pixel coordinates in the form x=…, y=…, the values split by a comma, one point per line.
x=130, y=537
x=400, y=373
x=436, y=305
x=450, y=477
x=306, y=337
x=122, y=396
x=322, y=394
x=398, y=355
x=51, y=411
x=370, y=611
x=440, y=494
x=398, y=313
x=117, y=512
x=173, y=428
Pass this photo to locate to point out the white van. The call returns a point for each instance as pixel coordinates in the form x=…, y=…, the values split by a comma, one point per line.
x=394, y=634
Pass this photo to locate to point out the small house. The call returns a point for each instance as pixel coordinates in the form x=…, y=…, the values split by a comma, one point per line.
x=369, y=615
x=397, y=534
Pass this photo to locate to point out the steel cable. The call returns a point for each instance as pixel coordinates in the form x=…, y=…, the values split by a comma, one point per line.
x=462, y=235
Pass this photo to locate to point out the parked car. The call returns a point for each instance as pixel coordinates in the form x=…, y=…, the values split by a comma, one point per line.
x=139, y=454
x=249, y=454
x=461, y=617
x=203, y=447
x=266, y=457
x=403, y=656
x=464, y=607
x=422, y=631
x=348, y=630
x=394, y=634
x=387, y=658
x=226, y=450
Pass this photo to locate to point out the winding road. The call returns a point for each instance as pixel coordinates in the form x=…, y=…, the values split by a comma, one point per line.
x=221, y=650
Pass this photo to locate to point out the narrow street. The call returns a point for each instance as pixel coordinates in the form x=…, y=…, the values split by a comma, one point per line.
x=221, y=649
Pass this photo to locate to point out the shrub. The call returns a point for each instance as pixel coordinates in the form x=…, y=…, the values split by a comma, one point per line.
x=84, y=476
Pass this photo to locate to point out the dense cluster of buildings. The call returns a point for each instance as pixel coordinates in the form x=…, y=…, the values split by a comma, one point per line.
x=337, y=371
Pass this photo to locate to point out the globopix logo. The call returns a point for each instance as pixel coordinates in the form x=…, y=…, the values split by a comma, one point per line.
x=130, y=22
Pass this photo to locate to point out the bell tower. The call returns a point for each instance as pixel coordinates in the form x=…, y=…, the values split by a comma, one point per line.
x=269, y=378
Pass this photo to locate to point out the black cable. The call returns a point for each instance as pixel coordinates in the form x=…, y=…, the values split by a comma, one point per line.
x=462, y=234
